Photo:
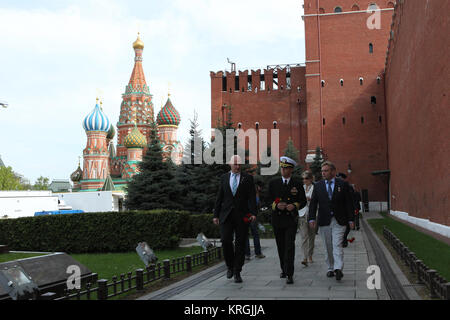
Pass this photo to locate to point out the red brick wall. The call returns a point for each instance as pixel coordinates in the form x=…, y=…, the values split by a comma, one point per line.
x=417, y=90
x=337, y=47
x=264, y=106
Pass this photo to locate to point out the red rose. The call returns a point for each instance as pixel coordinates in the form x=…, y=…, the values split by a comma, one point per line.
x=277, y=200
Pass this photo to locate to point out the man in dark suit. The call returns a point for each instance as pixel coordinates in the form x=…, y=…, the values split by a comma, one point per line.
x=235, y=201
x=335, y=202
x=288, y=197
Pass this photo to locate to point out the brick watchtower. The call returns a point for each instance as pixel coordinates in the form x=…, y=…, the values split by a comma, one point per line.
x=346, y=42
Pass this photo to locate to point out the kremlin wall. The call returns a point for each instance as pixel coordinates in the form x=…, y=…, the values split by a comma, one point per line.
x=375, y=100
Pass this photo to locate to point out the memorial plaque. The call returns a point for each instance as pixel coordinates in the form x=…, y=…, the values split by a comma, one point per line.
x=48, y=272
x=17, y=284
x=146, y=253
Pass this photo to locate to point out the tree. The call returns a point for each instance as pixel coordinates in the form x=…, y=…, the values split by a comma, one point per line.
x=154, y=187
x=9, y=180
x=316, y=165
x=42, y=183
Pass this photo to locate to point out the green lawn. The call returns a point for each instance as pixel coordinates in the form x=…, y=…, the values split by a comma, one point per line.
x=107, y=265
x=5, y=257
x=434, y=253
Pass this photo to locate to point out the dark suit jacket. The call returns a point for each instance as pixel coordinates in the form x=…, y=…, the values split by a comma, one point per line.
x=341, y=203
x=244, y=201
x=293, y=194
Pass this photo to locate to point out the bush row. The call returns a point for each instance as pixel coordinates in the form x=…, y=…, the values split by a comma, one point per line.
x=104, y=231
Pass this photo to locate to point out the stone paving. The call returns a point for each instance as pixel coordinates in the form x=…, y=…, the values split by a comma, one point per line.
x=261, y=279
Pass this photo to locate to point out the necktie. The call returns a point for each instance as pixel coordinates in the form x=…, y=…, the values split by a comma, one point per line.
x=235, y=184
x=330, y=192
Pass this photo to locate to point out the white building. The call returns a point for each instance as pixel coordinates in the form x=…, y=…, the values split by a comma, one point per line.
x=94, y=201
x=18, y=204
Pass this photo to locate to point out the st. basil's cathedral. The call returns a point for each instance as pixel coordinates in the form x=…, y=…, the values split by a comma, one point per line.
x=107, y=167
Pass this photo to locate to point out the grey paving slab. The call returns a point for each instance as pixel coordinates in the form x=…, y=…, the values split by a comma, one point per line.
x=261, y=279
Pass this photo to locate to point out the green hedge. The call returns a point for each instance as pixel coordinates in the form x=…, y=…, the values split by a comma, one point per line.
x=93, y=232
x=193, y=224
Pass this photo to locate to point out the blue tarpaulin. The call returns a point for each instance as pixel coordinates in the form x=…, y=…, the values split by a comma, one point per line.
x=46, y=213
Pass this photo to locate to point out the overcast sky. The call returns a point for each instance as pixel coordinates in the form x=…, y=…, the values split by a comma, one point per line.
x=57, y=56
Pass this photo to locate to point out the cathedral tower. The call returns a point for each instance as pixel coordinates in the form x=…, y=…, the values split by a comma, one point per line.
x=95, y=155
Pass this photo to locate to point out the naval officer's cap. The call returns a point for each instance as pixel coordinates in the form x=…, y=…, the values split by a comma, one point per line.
x=286, y=162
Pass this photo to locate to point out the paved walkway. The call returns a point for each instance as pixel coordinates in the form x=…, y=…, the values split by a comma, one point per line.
x=261, y=279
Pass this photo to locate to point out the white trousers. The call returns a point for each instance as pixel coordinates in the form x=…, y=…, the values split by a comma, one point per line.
x=332, y=236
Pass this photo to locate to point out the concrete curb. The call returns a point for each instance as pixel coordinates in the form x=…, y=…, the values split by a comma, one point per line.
x=407, y=287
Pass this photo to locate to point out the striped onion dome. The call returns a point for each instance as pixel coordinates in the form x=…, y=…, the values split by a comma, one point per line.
x=168, y=115
x=135, y=139
x=96, y=120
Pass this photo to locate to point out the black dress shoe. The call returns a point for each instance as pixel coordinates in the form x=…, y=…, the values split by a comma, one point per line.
x=330, y=274
x=282, y=275
x=290, y=280
x=237, y=278
x=230, y=273
x=339, y=274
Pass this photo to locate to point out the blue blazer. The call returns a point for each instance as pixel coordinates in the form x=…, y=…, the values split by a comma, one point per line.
x=341, y=203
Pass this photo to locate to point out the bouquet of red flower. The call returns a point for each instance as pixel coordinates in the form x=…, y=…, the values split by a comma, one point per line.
x=277, y=200
x=247, y=218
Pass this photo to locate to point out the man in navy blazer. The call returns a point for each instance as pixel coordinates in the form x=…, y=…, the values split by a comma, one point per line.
x=235, y=201
x=335, y=202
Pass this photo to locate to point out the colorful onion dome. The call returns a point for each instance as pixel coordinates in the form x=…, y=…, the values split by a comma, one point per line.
x=168, y=115
x=111, y=133
x=135, y=139
x=138, y=44
x=96, y=120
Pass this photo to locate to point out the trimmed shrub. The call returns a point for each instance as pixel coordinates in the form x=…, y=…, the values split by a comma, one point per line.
x=93, y=232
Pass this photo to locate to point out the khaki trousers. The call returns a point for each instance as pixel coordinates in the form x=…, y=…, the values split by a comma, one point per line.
x=308, y=236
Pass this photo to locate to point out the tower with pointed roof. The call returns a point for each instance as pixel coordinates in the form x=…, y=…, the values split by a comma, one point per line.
x=168, y=120
x=136, y=100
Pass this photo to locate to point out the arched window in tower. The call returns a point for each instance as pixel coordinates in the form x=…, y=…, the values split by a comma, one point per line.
x=343, y=120
x=342, y=82
x=373, y=6
x=362, y=120
x=337, y=9
x=370, y=48
x=378, y=80
x=355, y=7
x=373, y=100
x=323, y=83
x=257, y=125
x=275, y=124
x=361, y=81
x=240, y=125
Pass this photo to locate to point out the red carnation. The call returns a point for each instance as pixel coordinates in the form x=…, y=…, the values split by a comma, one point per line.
x=247, y=218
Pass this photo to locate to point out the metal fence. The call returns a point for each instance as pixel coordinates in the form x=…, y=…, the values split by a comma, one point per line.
x=437, y=285
x=103, y=289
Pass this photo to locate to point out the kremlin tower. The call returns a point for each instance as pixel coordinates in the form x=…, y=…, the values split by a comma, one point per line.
x=105, y=163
